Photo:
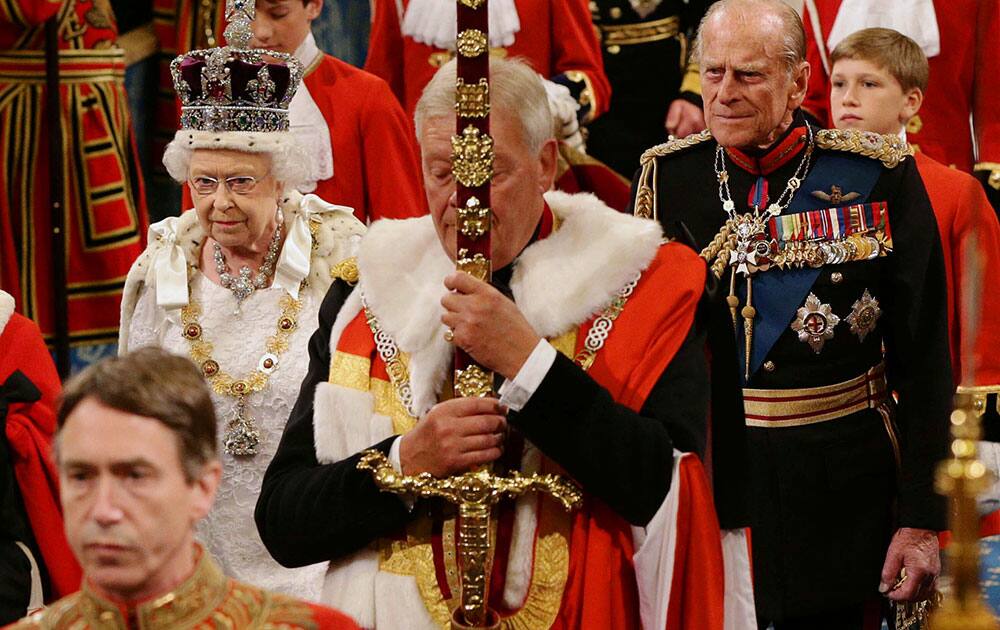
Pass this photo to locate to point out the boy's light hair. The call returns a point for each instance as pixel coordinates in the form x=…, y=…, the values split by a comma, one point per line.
x=896, y=53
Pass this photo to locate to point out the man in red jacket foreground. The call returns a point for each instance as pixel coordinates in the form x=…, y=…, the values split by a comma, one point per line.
x=136, y=452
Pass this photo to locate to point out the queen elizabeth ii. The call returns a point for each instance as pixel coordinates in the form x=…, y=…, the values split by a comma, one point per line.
x=236, y=283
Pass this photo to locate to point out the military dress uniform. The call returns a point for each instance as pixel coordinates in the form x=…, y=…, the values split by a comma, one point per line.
x=654, y=35
x=851, y=264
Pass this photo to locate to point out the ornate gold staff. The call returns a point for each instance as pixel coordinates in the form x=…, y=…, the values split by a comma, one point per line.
x=963, y=476
x=476, y=492
x=472, y=166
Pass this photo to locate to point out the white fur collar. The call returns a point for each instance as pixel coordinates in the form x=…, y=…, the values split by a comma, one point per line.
x=558, y=282
x=174, y=245
x=6, y=309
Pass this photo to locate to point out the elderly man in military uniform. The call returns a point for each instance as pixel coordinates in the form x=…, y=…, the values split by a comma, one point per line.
x=663, y=99
x=827, y=246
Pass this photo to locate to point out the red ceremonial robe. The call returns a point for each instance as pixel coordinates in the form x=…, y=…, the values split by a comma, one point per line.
x=962, y=82
x=376, y=164
x=674, y=579
x=29, y=430
x=103, y=198
x=556, y=37
x=962, y=210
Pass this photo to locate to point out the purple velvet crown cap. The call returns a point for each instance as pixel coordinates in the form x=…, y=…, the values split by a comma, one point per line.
x=241, y=75
x=234, y=89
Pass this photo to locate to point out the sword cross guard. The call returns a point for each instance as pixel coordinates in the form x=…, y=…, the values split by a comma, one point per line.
x=474, y=493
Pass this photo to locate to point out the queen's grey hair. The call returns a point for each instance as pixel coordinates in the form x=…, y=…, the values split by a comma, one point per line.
x=288, y=159
x=793, y=36
x=514, y=88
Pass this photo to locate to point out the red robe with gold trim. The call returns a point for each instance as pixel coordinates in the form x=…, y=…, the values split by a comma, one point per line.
x=588, y=569
x=103, y=201
x=962, y=82
x=206, y=600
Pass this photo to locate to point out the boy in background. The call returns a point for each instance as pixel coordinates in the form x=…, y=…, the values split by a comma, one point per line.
x=361, y=145
x=877, y=81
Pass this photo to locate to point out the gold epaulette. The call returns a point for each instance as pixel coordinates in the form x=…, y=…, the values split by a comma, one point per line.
x=346, y=270
x=673, y=146
x=888, y=149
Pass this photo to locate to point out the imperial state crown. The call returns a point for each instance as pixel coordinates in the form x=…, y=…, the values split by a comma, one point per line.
x=234, y=87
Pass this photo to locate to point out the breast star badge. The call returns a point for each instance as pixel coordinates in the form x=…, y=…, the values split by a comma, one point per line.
x=815, y=322
x=864, y=315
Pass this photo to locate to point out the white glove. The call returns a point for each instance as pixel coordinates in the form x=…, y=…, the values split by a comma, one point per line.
x=564, y=108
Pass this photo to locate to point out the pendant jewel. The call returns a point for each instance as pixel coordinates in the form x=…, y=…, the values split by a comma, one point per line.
x=754, y=250
x=242, y=436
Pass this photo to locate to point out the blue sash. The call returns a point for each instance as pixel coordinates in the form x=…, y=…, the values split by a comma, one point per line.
x=777, y=293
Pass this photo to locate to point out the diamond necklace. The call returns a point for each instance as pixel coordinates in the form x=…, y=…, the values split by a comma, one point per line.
x=242, y=285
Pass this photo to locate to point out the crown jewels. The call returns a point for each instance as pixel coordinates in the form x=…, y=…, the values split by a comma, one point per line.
x=235, y=88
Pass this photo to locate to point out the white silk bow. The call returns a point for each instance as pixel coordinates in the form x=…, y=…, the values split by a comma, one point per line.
x=169, y=266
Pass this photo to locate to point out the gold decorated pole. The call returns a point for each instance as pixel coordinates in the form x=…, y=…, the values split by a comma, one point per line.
x=472, y=167
x=963, y=477
x=475, y=493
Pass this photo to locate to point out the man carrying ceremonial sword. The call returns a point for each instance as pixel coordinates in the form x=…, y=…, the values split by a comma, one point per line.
x=592, y=328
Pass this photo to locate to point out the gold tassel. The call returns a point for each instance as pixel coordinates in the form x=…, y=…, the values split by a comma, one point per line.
x=749, y=312
x=732, y=300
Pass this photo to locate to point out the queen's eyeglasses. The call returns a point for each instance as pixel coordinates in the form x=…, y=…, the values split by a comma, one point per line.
x=237, y=184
